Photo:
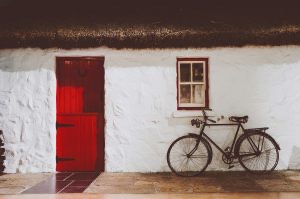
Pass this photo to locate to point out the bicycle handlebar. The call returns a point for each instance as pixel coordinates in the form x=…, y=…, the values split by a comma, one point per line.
x=197, y=122
x=213, y=121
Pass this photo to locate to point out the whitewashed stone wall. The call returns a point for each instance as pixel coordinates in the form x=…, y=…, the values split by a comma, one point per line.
x=140, y=103
x=27, y=110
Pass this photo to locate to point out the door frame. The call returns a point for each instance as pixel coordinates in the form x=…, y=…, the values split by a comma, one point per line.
x=101, y=59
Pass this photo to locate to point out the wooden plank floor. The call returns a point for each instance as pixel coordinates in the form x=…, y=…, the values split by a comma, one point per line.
x=294, y=195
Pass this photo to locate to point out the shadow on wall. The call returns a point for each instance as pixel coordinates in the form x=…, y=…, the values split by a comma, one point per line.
x=241, y=58
x=14, y=60
x=21, y=60
x=294, y=162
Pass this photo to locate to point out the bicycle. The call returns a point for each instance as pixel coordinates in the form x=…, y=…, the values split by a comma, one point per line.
x=255, y=150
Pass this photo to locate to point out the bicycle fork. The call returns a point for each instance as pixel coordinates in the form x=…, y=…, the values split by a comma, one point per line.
x=193, y=150
x=197, y=143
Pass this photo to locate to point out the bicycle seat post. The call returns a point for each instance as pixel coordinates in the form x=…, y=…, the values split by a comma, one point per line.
x=204, y=115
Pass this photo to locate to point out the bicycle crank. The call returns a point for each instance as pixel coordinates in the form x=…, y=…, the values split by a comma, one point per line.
x=227, y=157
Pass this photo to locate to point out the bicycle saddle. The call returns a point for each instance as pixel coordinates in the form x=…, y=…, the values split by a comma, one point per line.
x=243, y=119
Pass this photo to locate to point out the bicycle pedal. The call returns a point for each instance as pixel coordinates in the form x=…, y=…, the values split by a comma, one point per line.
x=230, y=166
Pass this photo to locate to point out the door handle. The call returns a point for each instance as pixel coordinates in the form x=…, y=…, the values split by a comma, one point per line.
x=61, y=125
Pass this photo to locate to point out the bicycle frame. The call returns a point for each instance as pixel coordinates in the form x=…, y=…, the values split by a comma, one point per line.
x=202, y=134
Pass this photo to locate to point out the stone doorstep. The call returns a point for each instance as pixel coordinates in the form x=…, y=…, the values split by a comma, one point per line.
x=69, y=182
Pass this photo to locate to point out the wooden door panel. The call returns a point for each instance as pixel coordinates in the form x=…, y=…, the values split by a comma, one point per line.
x=77, y=143
x=80, y=114
x=80, y=86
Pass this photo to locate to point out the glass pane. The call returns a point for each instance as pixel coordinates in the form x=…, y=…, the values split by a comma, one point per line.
x=185, y=93
x=198, y=94
x=185, y=72
x=198, y=72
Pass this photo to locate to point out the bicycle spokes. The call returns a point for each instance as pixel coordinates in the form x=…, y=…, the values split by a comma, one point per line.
x=187, y=156
x=258, y=153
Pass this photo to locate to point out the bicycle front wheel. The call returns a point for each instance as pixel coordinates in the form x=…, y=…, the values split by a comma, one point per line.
x=257, y=153
x=188, y=156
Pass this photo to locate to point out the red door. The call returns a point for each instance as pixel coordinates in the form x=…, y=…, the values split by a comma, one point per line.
x=80, y=114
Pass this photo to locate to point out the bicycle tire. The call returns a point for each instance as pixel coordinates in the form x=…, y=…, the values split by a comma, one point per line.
x=258, y=152
x=184, y=145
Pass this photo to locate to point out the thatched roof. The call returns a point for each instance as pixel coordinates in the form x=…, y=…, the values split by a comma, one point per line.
x=160, y=26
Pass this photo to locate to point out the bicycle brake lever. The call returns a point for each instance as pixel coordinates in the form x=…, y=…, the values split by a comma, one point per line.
x=213, y=121
x=193, y=122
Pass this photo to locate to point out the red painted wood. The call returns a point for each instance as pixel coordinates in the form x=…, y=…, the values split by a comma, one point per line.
x=80, y=102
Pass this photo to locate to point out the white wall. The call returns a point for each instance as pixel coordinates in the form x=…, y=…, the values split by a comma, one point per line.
x=141, y=116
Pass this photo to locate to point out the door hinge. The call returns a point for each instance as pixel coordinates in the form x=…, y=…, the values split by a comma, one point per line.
x=62, y=159
x=60, y=125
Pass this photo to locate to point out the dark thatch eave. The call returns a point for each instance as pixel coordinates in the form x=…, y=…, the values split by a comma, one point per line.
x=149, y=36
x=155, y=27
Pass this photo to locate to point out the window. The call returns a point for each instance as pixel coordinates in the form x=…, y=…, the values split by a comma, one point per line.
x=192, y=83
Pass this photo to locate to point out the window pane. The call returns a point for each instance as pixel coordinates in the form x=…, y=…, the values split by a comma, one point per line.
x=185, y=72
x=198, y=72
x=198, y=94
x=185, y=93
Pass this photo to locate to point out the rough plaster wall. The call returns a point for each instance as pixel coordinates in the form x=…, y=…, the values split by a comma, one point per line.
x=141, y=116
x=141, y=102
x=27, y=110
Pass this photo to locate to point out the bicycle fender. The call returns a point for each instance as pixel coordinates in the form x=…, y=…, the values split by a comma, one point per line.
x=193, y=134
x=271, y=138
x=205, y=142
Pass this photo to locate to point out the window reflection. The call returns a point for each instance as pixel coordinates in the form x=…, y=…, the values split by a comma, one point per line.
x=198, y=72
x=197, y=94
x=185, y=72
x=185, y=94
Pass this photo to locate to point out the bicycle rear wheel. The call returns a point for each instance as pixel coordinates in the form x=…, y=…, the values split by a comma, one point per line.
x=188, y=156
x=258, y=153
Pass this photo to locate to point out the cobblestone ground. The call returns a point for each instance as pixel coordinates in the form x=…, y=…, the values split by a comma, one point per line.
x=217, y=182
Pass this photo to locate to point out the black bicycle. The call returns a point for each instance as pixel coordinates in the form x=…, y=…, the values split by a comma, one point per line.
x=254, y=149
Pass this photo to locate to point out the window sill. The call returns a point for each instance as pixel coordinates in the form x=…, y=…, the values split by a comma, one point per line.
x=187, y=114
x=190, y=113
